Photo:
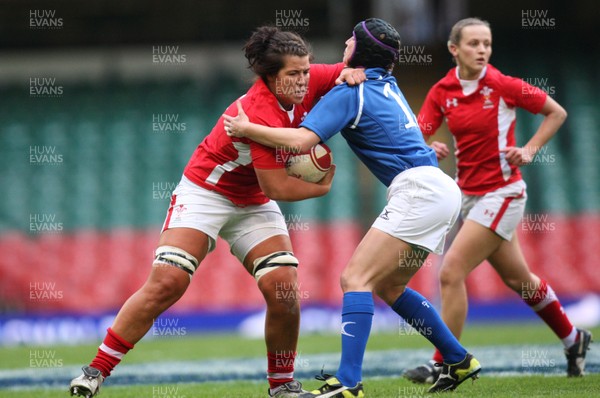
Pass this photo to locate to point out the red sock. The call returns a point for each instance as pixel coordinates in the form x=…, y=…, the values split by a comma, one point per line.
x=280, y=368
x=110, y=352
x=437, y=356
x=545, y=303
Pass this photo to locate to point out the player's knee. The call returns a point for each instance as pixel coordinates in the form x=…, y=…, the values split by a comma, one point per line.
x=281, y=291
x=516, y=284
x=269, y=263
x=353, y=281
x=451, y=272
x=164, y=287
x=345, y=280
x=171, y=256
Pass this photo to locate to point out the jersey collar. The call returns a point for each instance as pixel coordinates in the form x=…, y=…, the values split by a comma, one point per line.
x=481, y=75
x=376, y=73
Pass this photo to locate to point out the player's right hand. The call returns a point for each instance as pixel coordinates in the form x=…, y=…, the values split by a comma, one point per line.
x=441, y=149
x=351, y=76
x=235, y=125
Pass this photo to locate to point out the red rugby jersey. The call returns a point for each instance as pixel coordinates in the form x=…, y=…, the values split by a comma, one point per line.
x=226, y=164
x=481, y=116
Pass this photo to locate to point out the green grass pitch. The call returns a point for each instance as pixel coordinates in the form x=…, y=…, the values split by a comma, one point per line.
x=199, y=348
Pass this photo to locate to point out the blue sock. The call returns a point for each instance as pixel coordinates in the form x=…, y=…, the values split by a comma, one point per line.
x=418, y=312
x=357, y=316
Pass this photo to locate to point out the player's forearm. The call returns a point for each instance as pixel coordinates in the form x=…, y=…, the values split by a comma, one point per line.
x=269, y=136
x=275, y=137
x=553, y=120
x=545, y=132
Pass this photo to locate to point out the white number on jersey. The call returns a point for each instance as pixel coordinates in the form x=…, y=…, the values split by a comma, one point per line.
x=244, y=158
x=387, y=91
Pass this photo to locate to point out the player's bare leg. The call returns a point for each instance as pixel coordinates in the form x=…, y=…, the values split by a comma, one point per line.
x=282, y=324
x=471, y=246
x=164, y=286
x=512, y=267
x=394, y=284
x=376, y=258
x=283, y=310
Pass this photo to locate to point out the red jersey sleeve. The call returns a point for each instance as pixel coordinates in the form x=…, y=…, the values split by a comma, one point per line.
x=521, y=94
x=264, y=157
x=322, y=79
x=430, y=117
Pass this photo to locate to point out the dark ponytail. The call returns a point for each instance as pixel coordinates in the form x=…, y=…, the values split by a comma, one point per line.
x=268, y=45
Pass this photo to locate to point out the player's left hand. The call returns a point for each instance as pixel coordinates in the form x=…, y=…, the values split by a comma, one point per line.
x=236, y=125
x=441, y=149
x=517, y=156
x=328, y=178
x=352, y=76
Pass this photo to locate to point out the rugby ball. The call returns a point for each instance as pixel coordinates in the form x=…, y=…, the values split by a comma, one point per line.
x=312, y=165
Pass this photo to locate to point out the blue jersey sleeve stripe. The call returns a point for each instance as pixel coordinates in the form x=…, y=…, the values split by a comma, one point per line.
x=361, y=101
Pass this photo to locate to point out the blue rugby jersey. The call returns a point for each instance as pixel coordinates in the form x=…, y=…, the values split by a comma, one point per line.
x=377, y=123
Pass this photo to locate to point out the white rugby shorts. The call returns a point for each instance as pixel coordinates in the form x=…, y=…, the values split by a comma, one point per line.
x=423, y=205
x=215, y=215
x=500, y=210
